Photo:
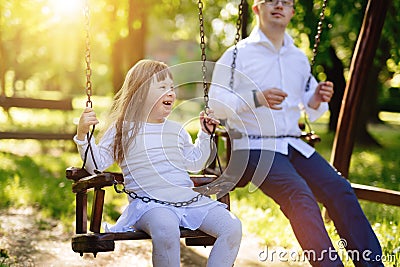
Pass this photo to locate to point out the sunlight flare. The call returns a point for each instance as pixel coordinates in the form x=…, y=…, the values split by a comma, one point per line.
x=66, y=8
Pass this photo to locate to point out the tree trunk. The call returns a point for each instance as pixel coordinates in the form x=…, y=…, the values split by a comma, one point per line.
x=365, y=49
x=335, y=74
x=126, y=52
x=136, y=41
x=245, y=19
x=370, y=109
x=368, y=106
x=2, y=63
x=117, y=61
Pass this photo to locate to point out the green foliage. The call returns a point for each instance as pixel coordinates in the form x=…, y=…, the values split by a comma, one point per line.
x=45, y=41
x=35, y=181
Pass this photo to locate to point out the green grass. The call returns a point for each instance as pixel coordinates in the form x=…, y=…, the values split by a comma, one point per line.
x=36, y=181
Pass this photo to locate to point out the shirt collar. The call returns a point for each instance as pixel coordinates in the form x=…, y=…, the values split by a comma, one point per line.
x=257, y=36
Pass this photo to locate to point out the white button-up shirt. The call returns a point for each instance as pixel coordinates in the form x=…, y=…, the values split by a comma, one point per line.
x=259, y=66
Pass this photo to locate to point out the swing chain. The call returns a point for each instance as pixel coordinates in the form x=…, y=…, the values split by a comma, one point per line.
x=87, y=57
x=89, y=103
x=317, y=40
x=203, y=57
x=237, y=38
x=317, y=37
x=145, y=199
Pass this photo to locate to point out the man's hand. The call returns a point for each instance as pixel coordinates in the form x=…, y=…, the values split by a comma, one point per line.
x=323, y=93
x=271, y=98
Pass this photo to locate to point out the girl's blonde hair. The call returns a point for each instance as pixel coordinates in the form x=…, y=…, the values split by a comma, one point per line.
x=127, y=111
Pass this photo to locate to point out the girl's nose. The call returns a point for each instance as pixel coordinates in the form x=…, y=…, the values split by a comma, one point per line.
x=171, y=92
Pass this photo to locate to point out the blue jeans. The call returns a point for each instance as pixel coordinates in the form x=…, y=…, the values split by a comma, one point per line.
x=296, y=183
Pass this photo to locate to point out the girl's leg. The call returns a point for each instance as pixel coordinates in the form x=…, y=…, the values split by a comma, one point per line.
x=162, y=225
x=227, y=228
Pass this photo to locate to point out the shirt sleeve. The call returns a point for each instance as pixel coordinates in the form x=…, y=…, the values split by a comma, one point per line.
x=196, y=155
x=224, y=100
x=100, y=157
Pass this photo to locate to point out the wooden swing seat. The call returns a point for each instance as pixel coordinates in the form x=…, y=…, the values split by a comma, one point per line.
x=94, y=241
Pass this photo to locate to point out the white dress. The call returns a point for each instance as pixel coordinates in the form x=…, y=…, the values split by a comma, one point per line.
x=156, y=165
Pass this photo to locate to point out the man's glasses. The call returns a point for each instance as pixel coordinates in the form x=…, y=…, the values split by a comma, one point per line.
x=286, y=3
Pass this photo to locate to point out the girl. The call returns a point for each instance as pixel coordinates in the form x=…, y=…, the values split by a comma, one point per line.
x=154, y=155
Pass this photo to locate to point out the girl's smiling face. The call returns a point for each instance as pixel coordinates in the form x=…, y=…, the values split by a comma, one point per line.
x=160, y=99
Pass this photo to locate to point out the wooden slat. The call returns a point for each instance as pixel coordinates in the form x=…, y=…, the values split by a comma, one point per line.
x=97, y=210
x=74, y=173
x=81, y=213
x=36, y=135
x=134, y=235
x=202, y=179
x=94, y=181
x=375, y=194
x=22, y=102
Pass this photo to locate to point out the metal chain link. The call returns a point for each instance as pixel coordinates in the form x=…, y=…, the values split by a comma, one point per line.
x=317, y=37
x=145, y=199
x=205, y=85
x=237, y=38
x=88, y=85
x=87, y=57
x=203, y=57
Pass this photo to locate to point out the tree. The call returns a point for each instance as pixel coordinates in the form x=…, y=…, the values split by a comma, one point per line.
x=130, y=49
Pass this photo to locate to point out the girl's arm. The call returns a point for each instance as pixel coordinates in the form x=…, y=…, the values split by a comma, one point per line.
x=196, y=155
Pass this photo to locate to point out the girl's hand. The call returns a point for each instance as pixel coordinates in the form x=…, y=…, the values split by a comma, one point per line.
x=87, y=119
x=210, y=121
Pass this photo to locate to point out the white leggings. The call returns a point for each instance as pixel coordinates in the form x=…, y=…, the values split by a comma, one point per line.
x=162, y=225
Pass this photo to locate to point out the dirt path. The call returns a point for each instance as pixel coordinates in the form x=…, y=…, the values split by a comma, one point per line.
x=28, y=240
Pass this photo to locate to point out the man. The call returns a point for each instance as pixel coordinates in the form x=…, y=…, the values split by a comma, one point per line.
x=271, y=85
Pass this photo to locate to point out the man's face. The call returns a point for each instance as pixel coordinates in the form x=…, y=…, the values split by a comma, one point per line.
x=274, y=13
